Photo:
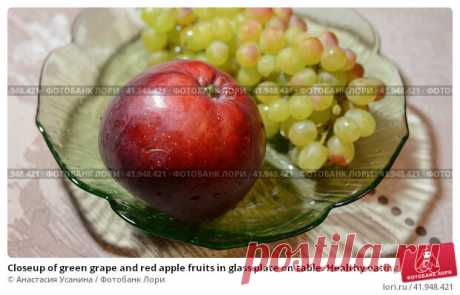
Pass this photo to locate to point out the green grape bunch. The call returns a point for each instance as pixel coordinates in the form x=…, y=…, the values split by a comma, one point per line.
x=308, y=89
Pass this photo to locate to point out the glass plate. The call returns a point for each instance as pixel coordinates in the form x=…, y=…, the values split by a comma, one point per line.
x=275, y=208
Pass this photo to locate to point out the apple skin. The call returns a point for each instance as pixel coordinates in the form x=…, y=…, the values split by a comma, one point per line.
x=162, y=132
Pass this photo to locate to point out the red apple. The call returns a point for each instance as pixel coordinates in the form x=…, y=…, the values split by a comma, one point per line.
x=150, y=128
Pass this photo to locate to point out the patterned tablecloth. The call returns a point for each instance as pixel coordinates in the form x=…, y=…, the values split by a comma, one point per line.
x=48, y=217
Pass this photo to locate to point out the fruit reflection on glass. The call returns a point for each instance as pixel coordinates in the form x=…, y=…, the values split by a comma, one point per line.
x=308, y=90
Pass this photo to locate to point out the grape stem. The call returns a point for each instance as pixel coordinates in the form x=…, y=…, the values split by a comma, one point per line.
x=324, y=136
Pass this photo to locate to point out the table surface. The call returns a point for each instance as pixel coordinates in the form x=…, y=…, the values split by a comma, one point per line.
x=43, y=221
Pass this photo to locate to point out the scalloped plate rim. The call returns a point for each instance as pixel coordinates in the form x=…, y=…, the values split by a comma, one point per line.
x=195, y=240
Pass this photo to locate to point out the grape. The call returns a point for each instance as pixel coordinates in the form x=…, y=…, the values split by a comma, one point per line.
x=204, y=34
x=149, y=15
x=310, y=49
x=232, y=45
x=336, y=110
x=217, y=53
x=288, y=61
x=352, y=106
x=293, y=35
x=164, y=20
x=302, y=133
x=278, y=110
x=282, y=79
x=340, y=153
x=283, y=12
x=238, y=21
x=379, y=87
x=271, y=41
x=297, y=22
x=333, y=59
x=248, y=76
x=228, y=12
x=271, y=127
x=223, y=29
x=231, y=66
x=300, y=106
x=174, y=37
x=248, y=55
x=187, y=36
x=333, y=79
x=346, y=129
x=321, y=117
x=356, y=72
x=351, y=59
x=260, y=14
x=322, y=96
x=267, y=92
x=266, y=65
x=286, y=126
x=205, y=13
x=184, y=16
x=312, y=157
x=175, y=50
x=329, y=39
x=336, y=79
x=198, y=37
x=276, y=23
x=364, y=120
x=159, y=57
x=304, y=78
x=361, y=92
x=249, y=31
x=153, y=40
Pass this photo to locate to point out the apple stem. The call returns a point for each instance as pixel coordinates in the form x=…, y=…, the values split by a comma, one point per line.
x=211, y=91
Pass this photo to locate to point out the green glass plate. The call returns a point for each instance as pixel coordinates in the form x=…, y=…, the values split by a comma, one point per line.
x=275, y=208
